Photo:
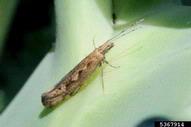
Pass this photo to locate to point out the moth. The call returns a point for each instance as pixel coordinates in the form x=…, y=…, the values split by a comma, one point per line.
x=72, y=82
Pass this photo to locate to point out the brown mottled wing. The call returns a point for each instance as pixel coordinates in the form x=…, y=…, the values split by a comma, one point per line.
x=74, y=73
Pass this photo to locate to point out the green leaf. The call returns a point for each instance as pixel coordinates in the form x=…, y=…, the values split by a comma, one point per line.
x=154, y=75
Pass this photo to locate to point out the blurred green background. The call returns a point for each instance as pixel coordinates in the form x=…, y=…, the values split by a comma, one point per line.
x=30, y=35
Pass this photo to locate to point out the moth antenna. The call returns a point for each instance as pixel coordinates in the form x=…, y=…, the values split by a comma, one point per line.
x=130, y=29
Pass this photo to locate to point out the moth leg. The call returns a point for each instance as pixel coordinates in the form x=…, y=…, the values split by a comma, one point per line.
x=102, y=80
x=75, y=91
x=94, y=43
x=105, y=61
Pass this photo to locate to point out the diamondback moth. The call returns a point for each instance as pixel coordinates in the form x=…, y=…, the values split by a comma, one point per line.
x=76, y=77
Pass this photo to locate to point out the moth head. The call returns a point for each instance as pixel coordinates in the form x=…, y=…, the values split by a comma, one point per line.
x=103, y=49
